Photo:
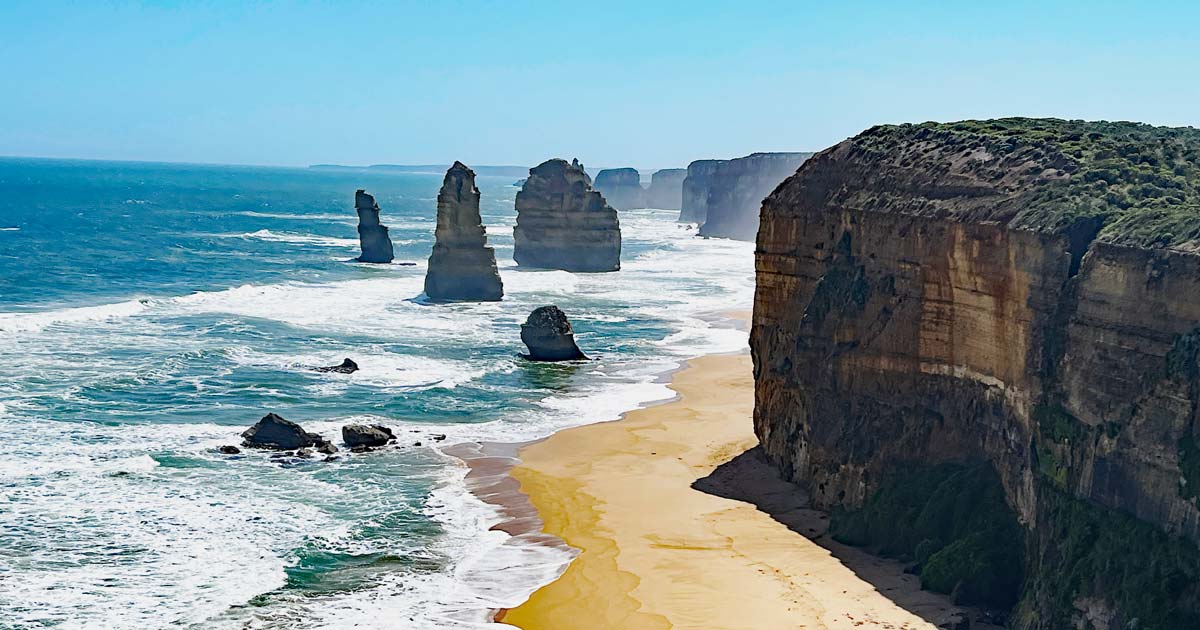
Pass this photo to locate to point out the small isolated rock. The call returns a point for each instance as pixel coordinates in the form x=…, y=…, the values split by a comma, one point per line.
x=956, y=621
x=229, y=449
x=549, y=336
x=345, y=367
x=326, y=448
x=274, y=432
x=355, y=435
x=439, y=437
x=416, y=443
x=304, y=452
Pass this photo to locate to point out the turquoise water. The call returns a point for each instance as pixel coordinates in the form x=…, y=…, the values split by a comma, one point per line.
x=150, y=312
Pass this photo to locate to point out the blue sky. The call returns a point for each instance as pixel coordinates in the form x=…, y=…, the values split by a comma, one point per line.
x=648, y=84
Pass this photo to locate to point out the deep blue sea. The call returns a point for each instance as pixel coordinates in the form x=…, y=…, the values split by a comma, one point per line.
x=149, y=313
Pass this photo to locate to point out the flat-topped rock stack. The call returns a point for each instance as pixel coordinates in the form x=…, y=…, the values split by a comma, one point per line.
x=666, y=189
x=563, y=224
x=622, y=188
x=372, y=235
x=462, y=266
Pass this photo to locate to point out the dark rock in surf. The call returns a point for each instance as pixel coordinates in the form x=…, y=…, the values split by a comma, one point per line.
x=462, y=267
x=229, y=449
x=361, y=435
x=274, y=432
x=372, y=235
x=345, y=367
x=549, y=336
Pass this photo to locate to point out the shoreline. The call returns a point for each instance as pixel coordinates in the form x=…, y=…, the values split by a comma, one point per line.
x=677, y=521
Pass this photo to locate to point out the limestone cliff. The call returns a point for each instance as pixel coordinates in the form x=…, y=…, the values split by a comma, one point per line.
x=1019, y=293
x=372, y=235
x=462, y=266
x=621, y=187
x=694, y=195
x=666, y=189
x=563, y=224
x=736, y=189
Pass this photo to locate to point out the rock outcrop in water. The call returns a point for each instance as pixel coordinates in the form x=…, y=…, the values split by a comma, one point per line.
x=274, y=432
x=947, y=313
x=347, y=366
x=462, y=266
x=372, y=235
x=549, y=336
x=359, y=435
x=621, y=187
x=563, y=224
x=734, y=190
x=666, y=189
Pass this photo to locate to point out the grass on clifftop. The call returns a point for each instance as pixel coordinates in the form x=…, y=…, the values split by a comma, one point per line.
x=1140, y=182
x=953, y=521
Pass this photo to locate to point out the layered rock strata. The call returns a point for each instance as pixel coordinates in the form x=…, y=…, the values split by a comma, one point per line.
x=563, y=224
x=621, y=187
x=666, y=189
x=1024, y=293
x=548, y=335
x=372, y=235
x=736, y=189
x=462, y=266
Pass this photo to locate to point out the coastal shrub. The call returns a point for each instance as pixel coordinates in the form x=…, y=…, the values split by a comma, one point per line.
x=951, y=518
x=1151, y=578
x=1142, y=183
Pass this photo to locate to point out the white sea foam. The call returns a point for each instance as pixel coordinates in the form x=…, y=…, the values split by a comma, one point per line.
x=10, y=229
x=304, y=239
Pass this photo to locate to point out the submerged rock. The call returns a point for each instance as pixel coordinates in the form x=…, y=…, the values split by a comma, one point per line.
x=345, y=367
x=229, y=449
x=563, y=224
x=372, y=235
x=361, y=435
x=548, y=335
x=621, y=187
x=274, y=432
x=462, y=266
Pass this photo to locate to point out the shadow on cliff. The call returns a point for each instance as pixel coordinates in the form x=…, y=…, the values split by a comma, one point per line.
x=750, y=478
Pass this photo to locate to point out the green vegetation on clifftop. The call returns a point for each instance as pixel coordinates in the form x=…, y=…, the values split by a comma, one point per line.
x=1138, y=183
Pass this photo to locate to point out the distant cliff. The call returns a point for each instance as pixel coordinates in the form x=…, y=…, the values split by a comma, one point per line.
x=666, y=189
x=724, y=196
x=621, y=187
x=1011, y=308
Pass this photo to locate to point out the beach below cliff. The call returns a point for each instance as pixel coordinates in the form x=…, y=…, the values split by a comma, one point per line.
x=680, y=523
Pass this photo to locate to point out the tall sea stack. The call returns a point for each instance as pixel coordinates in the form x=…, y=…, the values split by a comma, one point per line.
x=622, y=188
x=666, y=189
x=462, y=266
x=735, y=190
x=372, y=235
x=563, y=224
x=995, y=325
x=694, y=193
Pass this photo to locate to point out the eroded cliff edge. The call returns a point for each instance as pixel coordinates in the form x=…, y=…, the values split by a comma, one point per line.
x=1021, y=294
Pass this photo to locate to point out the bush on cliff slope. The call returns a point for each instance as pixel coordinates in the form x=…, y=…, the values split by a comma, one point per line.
x=952, y=520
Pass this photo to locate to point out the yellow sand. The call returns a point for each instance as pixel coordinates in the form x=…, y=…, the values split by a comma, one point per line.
x=657, y=553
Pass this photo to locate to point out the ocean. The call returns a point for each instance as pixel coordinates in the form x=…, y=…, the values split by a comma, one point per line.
x=149, y=313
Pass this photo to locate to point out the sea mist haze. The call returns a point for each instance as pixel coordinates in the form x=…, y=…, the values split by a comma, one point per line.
x=149, y=313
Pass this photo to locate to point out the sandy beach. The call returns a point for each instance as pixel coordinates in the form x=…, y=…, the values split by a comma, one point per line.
x=680, y=523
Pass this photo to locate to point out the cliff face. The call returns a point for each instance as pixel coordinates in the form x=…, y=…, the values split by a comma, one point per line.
x=563, y=224
x=736, y=189
x=372, y=235
x=694, y=195
x=621, y=187
x=462, y=266
x=666, y=189
x=1024, y=293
